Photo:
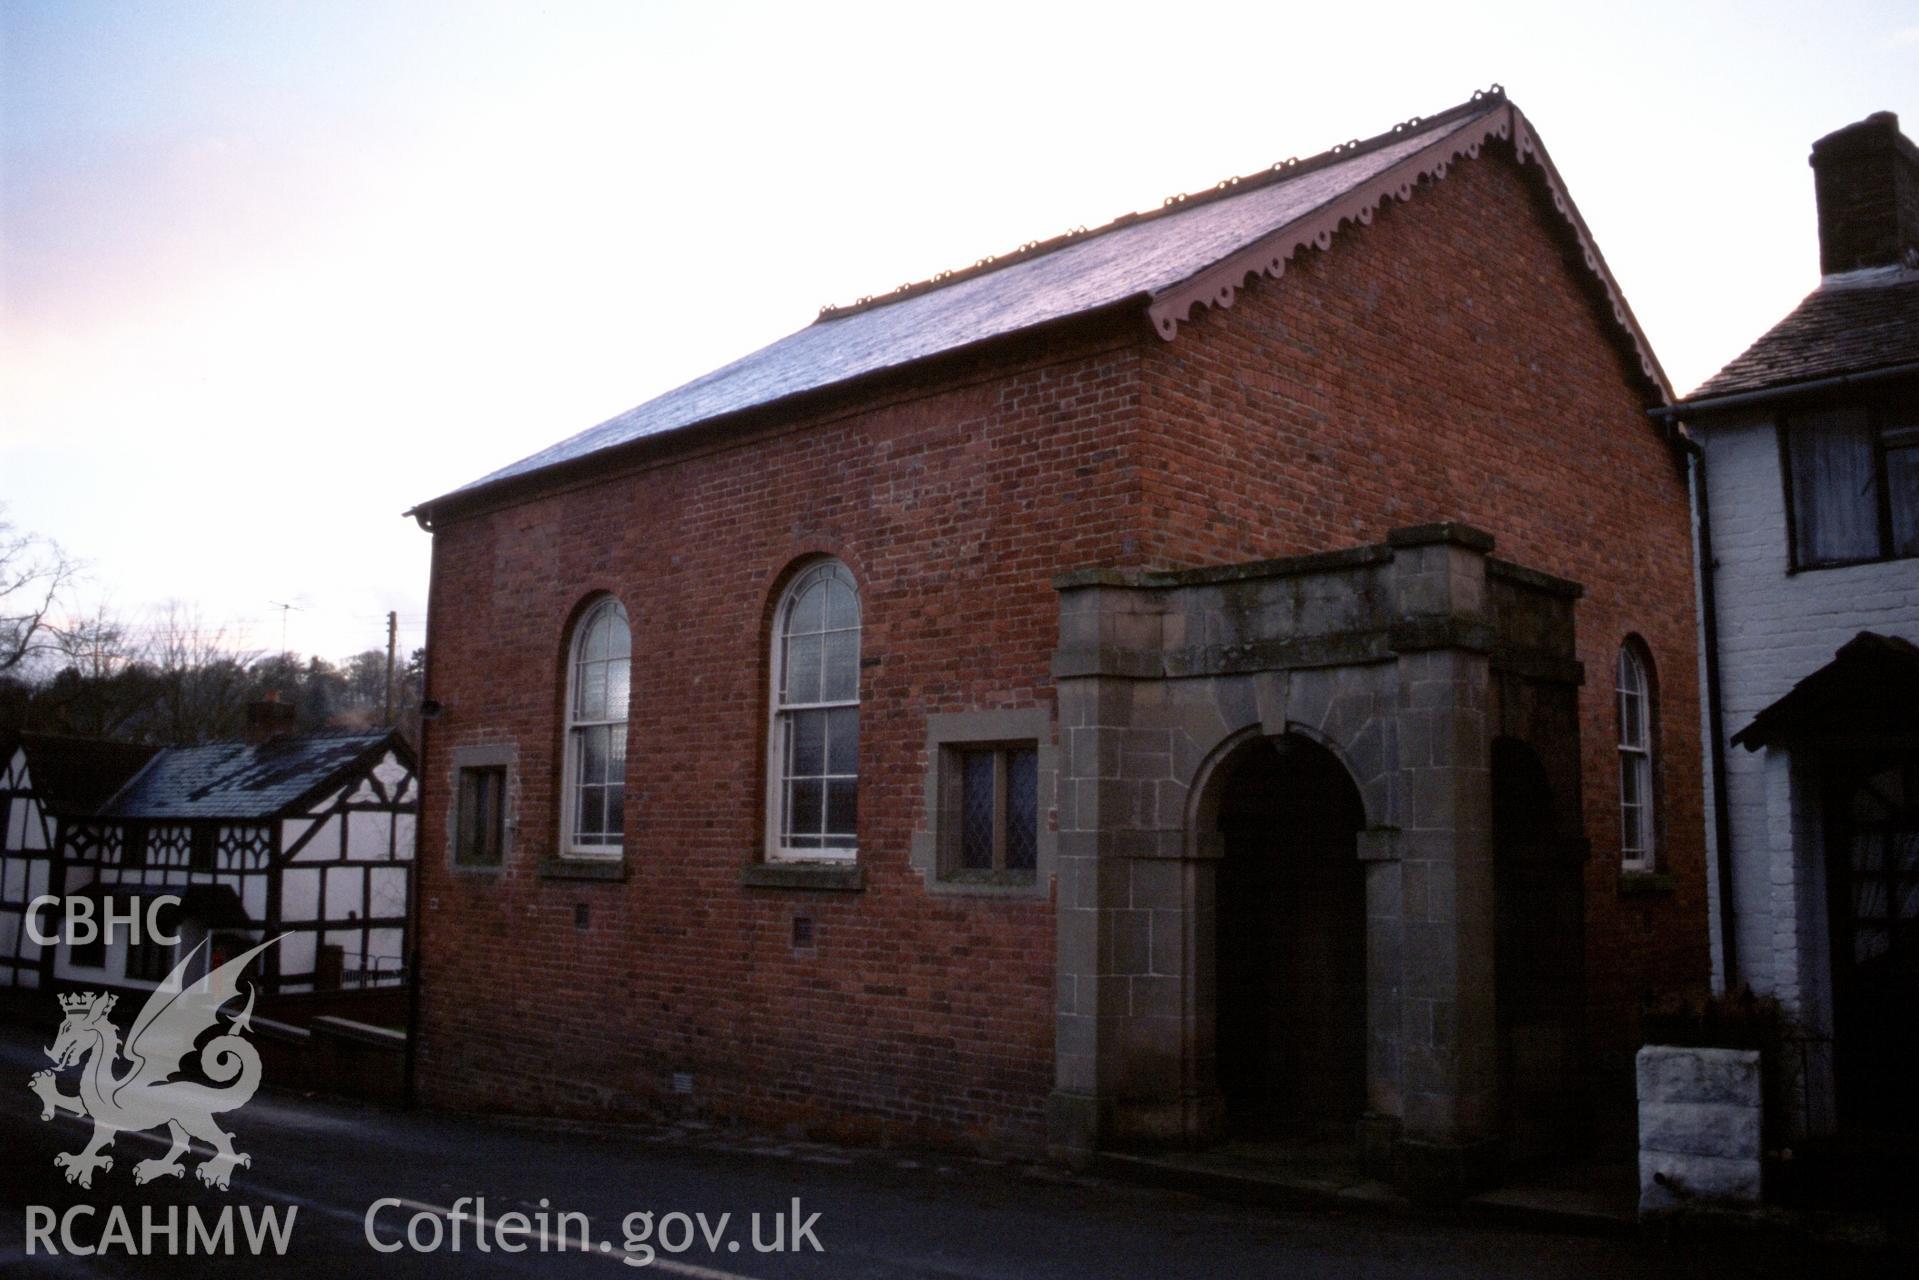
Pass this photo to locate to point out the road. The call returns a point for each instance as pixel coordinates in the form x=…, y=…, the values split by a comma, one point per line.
x=879, y=1214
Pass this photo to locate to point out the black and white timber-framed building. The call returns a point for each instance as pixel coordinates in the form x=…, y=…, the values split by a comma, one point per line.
x=307, y=836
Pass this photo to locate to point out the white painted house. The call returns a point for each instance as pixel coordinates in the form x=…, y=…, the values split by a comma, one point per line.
x=1809, y=511
x=307, y=836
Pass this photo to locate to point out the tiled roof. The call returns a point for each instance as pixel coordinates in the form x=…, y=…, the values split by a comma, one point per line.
x=1195, y=250
x=74, y=775
x=1852, y=323
x=239, y=779
x=1870, y=686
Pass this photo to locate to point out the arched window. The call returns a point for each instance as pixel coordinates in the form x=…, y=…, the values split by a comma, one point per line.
x=1636, y=826
x=813, y=746
x=599, y=678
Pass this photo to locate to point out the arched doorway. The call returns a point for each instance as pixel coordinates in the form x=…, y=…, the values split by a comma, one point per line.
x=1538, y=959
x=1290, y=942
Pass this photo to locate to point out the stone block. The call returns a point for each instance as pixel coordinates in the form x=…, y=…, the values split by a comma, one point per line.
x=1699, y=1126
x=1157, y=884
x=1270, y=690
x=1383, y=891
x=1669, y=1179
x=1440, y=895
x=1700, y=1129
x=1078, y=942
x=1308, y=696
x=1237, y=703
x=1157, y=997
x=1075, y=1036
x=1132, y=946
x=1170, y=932
x=1726, y=1076
x=1431, y=958
x=1169, y=801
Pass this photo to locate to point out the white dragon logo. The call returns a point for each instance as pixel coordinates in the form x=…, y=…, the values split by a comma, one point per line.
x=145, y=1096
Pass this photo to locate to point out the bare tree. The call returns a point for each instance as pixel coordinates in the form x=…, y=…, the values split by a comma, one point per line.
x=103, y=688
x=34, y=571
x=99, y=645
x=365, y=674
x=204, y=684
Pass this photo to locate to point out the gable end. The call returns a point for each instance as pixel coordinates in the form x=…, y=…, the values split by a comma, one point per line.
x=1219, y=285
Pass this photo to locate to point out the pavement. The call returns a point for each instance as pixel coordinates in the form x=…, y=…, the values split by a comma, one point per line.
x=386, y=1192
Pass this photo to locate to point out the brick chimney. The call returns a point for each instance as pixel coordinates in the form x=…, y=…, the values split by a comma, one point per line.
x=1866, y=179
x=269, y=718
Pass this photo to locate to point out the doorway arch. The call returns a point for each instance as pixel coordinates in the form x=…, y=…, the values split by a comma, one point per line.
x=1289, y=941
x=1539, y=959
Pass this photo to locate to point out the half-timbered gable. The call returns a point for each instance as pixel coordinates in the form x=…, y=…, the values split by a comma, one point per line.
x=306, y=837
x=44, y=780
x=345, y=866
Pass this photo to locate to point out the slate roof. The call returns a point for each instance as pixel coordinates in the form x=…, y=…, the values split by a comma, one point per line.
x=1852, y=323
x=75, y=775
x=1142, y=257
x=240, y=780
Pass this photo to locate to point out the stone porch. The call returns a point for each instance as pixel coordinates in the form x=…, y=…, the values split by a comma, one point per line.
x=1406, y=661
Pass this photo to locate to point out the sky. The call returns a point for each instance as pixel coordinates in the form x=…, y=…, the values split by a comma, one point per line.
x=272, y=273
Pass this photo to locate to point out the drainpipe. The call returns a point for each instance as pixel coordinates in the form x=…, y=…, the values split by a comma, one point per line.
x=1715, y=714
x=410, y=1066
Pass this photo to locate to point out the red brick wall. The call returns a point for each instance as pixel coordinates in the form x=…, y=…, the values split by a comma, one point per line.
x=1446, y=364
x=912, y=1016
x=1440, y=364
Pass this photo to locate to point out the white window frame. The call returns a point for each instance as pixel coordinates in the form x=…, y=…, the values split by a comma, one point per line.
x=780, y=715
x=1638, y=832
x=570, y=751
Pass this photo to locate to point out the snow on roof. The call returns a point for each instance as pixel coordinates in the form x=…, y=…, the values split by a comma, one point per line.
x=1193, y=251
x=240, y=779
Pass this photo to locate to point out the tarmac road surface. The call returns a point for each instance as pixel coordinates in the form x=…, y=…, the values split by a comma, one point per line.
x=352, y=1176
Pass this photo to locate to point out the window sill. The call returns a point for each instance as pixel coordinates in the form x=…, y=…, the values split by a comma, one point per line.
x=997, y=884
x=583, y=869
x=1821, y=566
x=1645, y=884
x=832, y=877
x=478, y=868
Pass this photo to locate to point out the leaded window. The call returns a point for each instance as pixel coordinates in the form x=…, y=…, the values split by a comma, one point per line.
x=998, y=810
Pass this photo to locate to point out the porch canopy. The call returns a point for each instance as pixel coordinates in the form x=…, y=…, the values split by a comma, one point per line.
x=1871, y=686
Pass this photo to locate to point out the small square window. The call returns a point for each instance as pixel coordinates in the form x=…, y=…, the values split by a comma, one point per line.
x=993, y=799
x=480, y=826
